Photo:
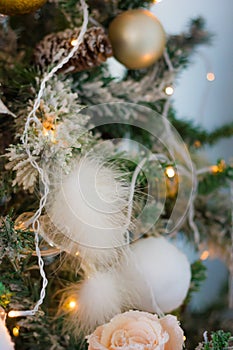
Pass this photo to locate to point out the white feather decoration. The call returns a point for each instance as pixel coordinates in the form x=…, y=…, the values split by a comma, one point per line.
x=152, y=275
x=88, y=207
x=5, y=339
x=98, y=300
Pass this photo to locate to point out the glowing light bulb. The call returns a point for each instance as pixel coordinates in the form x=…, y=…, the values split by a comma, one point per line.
x=214, y=168
x=204, y=255
x=49, y=129
x=197, y=144
x=15, y=331
x=169, y=90
x=218, y=168
x=210, y=76
x=74, y=42
x=21, y=313
x=170, y=172
x=77, y=253
x=184, y=337
x=71, y=303
x=13, y=313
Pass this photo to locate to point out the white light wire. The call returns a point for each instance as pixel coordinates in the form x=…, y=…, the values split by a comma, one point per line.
x=137, y=170
x=33, y=118
x=132, y=189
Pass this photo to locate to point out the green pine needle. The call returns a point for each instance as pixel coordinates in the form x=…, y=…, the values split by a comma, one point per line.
x=212, y=181
x=219, y=341
x=198, y=273
x=5, y=295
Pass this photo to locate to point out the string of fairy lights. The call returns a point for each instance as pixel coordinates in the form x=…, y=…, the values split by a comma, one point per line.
x=71, y=303
x=170, y=171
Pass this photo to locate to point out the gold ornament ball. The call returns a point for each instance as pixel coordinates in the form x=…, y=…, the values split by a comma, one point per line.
x=137, y=37
x=19, y=7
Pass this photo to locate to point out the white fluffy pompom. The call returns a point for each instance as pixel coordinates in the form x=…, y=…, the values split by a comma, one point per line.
x=88, y=207
x=98, y=300
x=5, y=339
x=156, y=267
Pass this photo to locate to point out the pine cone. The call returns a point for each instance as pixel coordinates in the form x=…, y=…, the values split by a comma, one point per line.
x=93, y=51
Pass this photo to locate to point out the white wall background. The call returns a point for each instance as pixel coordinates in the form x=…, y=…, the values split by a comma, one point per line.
x=210, y=104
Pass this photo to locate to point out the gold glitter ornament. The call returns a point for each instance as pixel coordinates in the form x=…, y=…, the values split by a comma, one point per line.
x=137, y=37
x=19, y=7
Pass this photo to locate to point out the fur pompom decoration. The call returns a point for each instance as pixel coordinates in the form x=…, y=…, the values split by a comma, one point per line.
x=98, y=299
x=88, y=209
x=152, y=276
x=5, y=339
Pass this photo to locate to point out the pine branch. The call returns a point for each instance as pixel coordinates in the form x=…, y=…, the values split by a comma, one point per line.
x=18, y=85
x=133, y=4
x=218, y=178
x=198, y=273
x=5, y=295
x=192, y=133
x=14, y=242
x=219, y=340
x=180, y=47
x=219, y=133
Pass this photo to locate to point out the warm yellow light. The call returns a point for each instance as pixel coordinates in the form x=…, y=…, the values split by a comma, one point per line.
x=197, y=144
x=49, y=129
x=204, y=255
x=184, y=337
x=15, y=331
x=169, y=90
x=74, y=42
x=210, y=76
x=222, y=166
x=77, y=253
x=214, y=168
x=218, y=168
x=13, y=313
x=23, y=221
x=170, y=172
x=72, y=304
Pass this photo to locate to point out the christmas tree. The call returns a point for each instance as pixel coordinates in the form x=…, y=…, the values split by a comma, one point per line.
x=101, y=181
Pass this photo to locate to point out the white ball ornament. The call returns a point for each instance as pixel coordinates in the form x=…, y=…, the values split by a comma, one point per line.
x=152, y=275
x=158, y=274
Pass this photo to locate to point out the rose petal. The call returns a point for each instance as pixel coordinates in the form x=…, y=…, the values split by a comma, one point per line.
x=138, y=330
x=145, y=329
x=117, y=322
x=176, y=335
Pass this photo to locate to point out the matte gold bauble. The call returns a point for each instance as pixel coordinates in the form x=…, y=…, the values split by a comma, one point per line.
x=19, y=7
x=137, y=37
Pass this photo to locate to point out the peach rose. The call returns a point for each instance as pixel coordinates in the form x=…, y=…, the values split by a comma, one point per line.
x=136, y=330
